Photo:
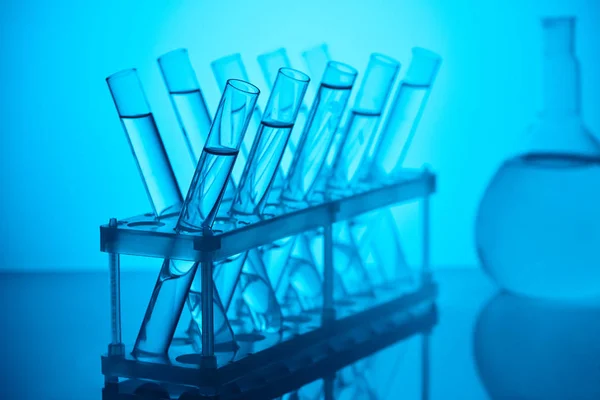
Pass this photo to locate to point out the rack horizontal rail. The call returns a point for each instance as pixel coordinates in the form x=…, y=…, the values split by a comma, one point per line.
x=144, y=236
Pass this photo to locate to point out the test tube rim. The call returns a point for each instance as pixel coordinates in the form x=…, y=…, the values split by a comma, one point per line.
x=174, y=51
x=294, y=74
x=324, y=46
x=423, y=52
x=122, y=73
x=385, y=59
x=243, y=86
x=549, y=21
x=342, y=67
x=234, y=56
x=268, y=54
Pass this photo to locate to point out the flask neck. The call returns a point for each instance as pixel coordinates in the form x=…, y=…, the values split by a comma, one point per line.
x=561, y=85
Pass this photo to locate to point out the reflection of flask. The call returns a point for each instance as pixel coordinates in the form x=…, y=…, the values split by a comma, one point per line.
x=538, y=225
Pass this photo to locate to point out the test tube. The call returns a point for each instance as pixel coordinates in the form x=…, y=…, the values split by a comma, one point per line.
x=316, y=59
x=257, y=180
x=364, y=119
x=270, y=141
x=198, y=212
x=384, y=158
x=186, y=98
x=219, y=154
x=145, y=142
x=328, y=107
x=270, y=63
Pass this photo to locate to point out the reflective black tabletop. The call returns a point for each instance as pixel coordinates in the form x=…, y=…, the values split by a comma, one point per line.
x=54, y=327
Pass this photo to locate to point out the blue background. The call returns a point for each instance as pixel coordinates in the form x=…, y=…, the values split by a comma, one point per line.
x=65, y=166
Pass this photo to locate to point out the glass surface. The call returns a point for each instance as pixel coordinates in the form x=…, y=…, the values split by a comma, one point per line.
x=145, y=142
x=486, y=345
x=535, y=229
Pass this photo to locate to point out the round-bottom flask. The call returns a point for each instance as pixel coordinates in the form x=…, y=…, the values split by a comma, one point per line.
x=538, y=223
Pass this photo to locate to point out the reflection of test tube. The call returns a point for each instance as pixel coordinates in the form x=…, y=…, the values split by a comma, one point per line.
x=364, y=119
x=328, y=107
x=198, y=212
x=384, y=158
x=187, y=99
x=270, y=63
x=145, y=142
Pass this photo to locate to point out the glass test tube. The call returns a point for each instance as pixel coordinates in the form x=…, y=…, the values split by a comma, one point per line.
x=383, y=158
x=198, y=212
x=316, y=59
x=145, y=142
x=186, y=98
x=232, y=67
x=219, y=154
x=364, y=119
x=270, y=63
x=328, y=107
x=270, y=142
x=195, y=121
x=257, y=180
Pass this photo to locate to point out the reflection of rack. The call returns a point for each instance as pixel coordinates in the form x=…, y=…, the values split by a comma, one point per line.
x=278, y=362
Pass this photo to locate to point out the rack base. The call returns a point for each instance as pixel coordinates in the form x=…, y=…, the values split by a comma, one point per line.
x=281, y=367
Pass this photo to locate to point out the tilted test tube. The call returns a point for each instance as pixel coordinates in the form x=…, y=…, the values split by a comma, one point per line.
x=256, y=283
x=270, y=63
x=270, y=141
x=385, y=160
x=386, y=156
x=364, y=119
x=324, y=118
x=195, y=121
x=232, y=67
x=187, y=99
x=198, y=214
x=145, y=142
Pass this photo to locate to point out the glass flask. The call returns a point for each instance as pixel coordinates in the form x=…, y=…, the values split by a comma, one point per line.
x=538, y=225
x=197, y=215
x=145, y=142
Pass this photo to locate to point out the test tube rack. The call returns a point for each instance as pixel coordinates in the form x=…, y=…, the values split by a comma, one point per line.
x=277, y=363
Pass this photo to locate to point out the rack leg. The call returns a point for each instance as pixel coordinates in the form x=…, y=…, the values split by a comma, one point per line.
x=425, y=366
x=328, y=384
x=116, y=347
x=425, y=268
x=208, y=323
x=328, y=278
